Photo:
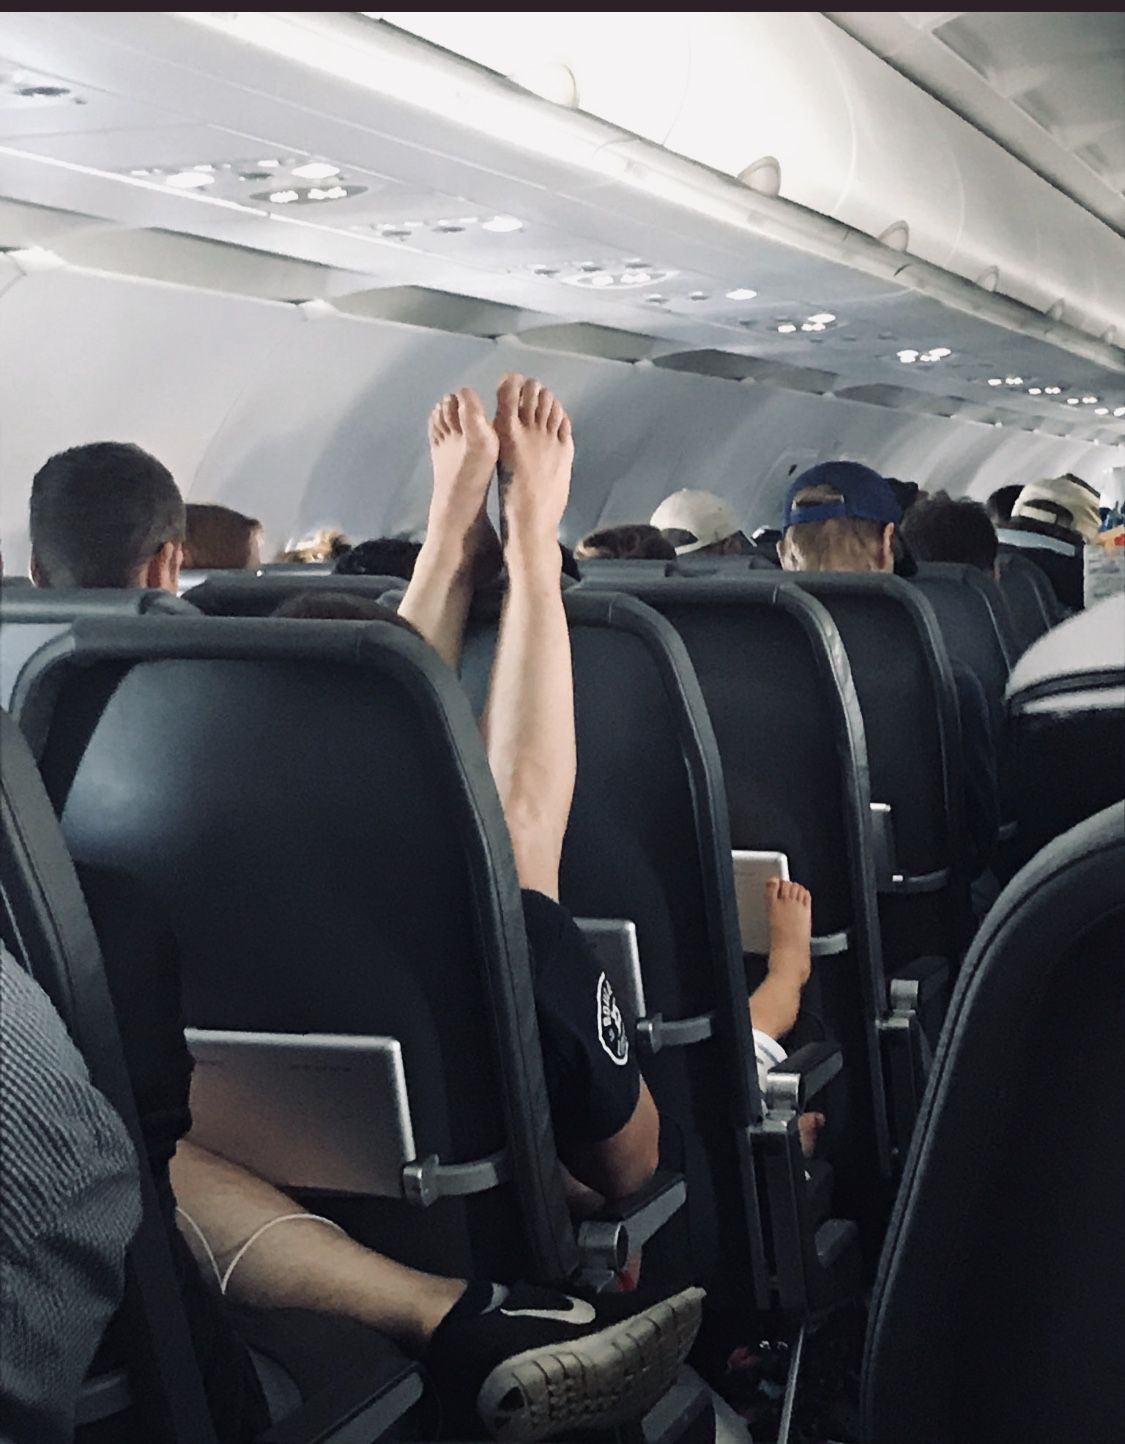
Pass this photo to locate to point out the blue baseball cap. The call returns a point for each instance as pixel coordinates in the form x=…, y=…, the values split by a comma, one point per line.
x=865, y=495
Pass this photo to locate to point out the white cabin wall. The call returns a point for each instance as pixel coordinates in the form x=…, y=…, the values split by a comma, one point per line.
x=303, y=422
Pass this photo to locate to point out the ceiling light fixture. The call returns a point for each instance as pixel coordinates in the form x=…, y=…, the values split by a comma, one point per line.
x=308, y=195
x=741, y=293
x=1119, y=411
x=601, y=279
x=316, y=170
x=282, y=198
x=502, y=225
x=939, y=353
x=1052, y=390
x=698, y=296
x=812, y=325
x=188, y=180
x=1035, y=391
x=268, y=164
x=786, y=328
x=1013, y=380
x=907, y=357
x=1072, y=400
x=995, y=381
x=656, y=298
x=1089, y=401
x=606, y=277
x=1101, y=410
x=825, y=318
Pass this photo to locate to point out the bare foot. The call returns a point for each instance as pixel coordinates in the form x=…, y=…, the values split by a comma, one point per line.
x=536, y=456
x=809, y=1126
x=463, y=450
x=790, y=914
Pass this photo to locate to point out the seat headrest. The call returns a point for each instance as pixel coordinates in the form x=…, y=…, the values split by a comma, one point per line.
x=67, y=604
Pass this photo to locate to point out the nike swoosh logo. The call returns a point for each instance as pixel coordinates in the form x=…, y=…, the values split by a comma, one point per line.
x=579, y=1314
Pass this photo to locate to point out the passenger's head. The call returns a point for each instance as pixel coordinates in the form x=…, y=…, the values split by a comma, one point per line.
x=325, y=545
x=942, y=529
x=221, y=539
x=636, y=542
x=999, y=504
x=1061, y=501
x=106, y=515
x=700, y=523
x=839, y=517
x=328, y=606
x=383, y=557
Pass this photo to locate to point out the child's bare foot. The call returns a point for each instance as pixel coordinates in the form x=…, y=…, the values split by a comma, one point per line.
x=463, y=450
x=790, y=914
x=809, y=1126
x=536, y=456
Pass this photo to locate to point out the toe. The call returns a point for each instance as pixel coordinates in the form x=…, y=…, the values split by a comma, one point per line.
x=529, y=399
x=508, y=393
x=449, y=413
x=773, y=888
x=543, y=407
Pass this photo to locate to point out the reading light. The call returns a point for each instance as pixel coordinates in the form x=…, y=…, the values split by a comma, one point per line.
x=1013, y=380
x=1089, y=401
x=1101, y=410
x=189, y=180
x=825, y=318
x=1119, y=411
x=1052, y=390
x=741, y=293
x=995, y=381
x=786, y=328
x=1035, y=391
x=502, y=225
x=316, y=170
x=282, y=198
x=940, y=352
x=1072, y=400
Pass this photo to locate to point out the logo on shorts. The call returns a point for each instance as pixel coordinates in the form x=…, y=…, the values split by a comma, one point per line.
x=611, y=1025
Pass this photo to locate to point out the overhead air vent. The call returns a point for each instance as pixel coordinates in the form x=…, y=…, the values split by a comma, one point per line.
x=764, y=176
x=896, y=236
x=989, y=280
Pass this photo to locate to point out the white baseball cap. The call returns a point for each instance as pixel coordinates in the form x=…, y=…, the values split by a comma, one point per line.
x=707, y=517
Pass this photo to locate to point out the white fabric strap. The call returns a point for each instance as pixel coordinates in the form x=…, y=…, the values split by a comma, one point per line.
x=258, y=1232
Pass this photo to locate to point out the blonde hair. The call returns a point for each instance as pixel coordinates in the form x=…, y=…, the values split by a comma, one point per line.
x=840, y=544
x=325, y=545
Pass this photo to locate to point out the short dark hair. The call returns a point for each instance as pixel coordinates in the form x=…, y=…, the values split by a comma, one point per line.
x=327, y=606
x=99, y=512
x=218, y=537
x=383, y=557
x=942, y=528
x=636, y=541
x=999, y=504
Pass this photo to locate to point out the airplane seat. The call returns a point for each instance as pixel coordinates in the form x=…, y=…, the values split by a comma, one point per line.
x=910, y=716
x=246, y=594
x=298, y=795
x=295, y=569
x=611, y=569
x=1030, y=597
x=648, y=843
x=145, y=1383
x=32, y=616
x=1066, y=711
x=974, y=620
x=1011, y=1329
x=775, y=678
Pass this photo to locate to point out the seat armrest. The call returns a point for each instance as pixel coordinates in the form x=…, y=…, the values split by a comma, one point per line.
x=917, y=983
x=804, y=1074
x=364, y=1403
x=612, y=1236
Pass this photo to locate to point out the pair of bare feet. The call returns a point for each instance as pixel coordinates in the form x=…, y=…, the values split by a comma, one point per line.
x=529, y=439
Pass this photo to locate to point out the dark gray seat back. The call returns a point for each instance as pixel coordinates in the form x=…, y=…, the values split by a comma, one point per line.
x=999, y=1307
x=244, y=594
x=906, y=692
x=776, y=683
x=31, y=616
x=311, y=804
x=1029, y=595
x=648, y=842
x=974, y=620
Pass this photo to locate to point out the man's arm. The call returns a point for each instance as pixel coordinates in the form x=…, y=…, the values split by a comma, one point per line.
x=460, y=543
x=624, y=1163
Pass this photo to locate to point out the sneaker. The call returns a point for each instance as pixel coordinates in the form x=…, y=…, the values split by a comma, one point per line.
x=543, y=1362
